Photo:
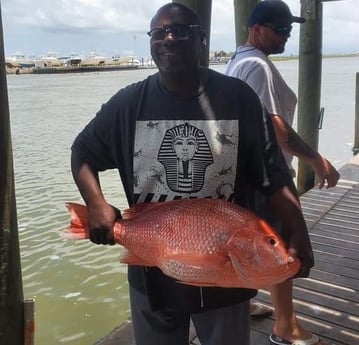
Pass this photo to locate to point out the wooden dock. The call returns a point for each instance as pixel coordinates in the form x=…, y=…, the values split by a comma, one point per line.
x=327, y=303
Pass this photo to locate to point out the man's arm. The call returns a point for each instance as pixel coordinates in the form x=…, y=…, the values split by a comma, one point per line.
x=286, y=205
x=260, y=80
x=101, y=215
x=292, y=143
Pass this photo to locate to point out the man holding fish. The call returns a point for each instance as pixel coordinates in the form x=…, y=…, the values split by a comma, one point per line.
x=188, y=132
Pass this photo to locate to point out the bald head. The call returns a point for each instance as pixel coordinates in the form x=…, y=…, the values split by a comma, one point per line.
x=177, y=10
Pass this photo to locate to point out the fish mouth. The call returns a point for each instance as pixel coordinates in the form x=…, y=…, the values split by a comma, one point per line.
x=288, y=270
x=295, y=265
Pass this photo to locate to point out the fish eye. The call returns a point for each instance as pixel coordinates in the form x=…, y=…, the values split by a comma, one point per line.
x=272, y=241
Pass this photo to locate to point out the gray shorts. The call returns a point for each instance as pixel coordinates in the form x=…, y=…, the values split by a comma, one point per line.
x=167, y=327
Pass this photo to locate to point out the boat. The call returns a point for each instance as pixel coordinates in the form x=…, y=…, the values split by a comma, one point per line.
x=18, y=63
x=49, y=60
x=19, y=60
x=93, y=60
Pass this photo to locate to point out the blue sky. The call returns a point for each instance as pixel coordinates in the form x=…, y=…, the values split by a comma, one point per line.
x=36, y=27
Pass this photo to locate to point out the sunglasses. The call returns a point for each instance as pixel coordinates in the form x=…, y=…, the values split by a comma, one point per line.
x=280, y=30
x=179, y=31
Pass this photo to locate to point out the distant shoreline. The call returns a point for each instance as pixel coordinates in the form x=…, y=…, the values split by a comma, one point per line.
x=325, y=56
x=223, y=59
x=97, y=68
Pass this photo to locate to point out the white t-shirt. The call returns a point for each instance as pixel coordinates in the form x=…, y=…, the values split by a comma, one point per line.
x=254, y=67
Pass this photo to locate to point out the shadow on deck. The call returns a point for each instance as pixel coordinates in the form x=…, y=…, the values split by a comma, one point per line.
x=327, y=303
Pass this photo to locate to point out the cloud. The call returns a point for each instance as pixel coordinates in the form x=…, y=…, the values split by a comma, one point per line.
x=69, y=15
x=341, y=26
x=63, y=25
x=109, y=25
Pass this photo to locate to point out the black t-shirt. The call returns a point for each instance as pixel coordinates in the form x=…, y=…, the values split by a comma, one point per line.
x=219, y=144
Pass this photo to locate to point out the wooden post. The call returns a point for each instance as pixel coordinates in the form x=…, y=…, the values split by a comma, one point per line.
x=356, y=130
x=11, y=293
x=29, y=322
x=310, y=68
x=204, y=10
x=242, y=9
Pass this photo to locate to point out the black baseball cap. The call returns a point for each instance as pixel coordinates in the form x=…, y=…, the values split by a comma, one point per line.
x=274, y=12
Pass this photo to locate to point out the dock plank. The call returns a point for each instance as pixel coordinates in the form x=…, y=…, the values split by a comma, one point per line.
x=327, y=302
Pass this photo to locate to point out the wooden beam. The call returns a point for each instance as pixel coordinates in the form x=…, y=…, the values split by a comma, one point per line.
x=356, y=123
x=204, y=10
x=242, y=10
x=11, y=293
x=309, y=88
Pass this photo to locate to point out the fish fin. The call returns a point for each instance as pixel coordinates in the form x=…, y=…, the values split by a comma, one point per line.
x=209, y=261
x=237, y=266
x=78, y=228
x=135, y=209
x=131, y=259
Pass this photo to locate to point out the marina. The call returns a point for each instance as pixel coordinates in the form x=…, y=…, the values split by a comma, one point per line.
x=18, y=63
x=50, y=64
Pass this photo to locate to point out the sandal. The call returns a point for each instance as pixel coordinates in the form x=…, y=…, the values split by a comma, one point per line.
x=275, y=340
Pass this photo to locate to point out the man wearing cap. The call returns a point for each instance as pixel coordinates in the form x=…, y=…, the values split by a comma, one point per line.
x=270, y=24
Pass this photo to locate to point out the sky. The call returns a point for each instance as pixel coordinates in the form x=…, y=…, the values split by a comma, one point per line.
x=118, y=27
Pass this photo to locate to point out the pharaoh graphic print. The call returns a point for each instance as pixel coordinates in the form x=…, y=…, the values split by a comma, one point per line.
x=176, y=159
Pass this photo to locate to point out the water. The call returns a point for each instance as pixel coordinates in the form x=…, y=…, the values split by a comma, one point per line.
x=81, y=289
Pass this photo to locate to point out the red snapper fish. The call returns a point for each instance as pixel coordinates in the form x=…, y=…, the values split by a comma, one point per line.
x=200, y=242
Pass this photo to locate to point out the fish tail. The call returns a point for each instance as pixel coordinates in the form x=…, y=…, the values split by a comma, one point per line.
x=78, y=229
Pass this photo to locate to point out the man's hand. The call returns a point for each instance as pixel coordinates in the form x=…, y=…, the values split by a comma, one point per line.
x=300, y=247
x=325, y=172
x=292, y=143
x=286, y=205
x=101, y=220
